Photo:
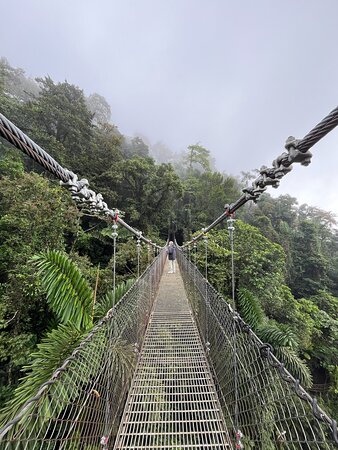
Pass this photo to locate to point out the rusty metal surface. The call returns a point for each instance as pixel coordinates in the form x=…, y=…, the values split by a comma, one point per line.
x=172, y=403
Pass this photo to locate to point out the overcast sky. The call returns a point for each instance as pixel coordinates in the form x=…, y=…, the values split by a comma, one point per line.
x=237, y=76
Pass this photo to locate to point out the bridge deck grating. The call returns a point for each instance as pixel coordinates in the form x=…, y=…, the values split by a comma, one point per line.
x=172, y=402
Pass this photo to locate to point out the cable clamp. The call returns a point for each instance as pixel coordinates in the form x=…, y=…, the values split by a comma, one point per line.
x=282, y=165
x=295, y=155
x=269, y=177
x=265, y=350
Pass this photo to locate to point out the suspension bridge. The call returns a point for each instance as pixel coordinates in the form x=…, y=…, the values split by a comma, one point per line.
x=172, y=365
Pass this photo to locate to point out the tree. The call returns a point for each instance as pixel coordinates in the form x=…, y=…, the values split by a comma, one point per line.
x=308, y=274
x=72, y=301
x=209, y=192
x=100, y=109
x=11, y=164
x=146, y=191
x=326, y=302
x=33, y=215
x=11, y=106
x=60, y=111
x=106, y=146
x=281, y=337
x=162, y=153
x=197, y=157
x=16, y=84
x=320, y=346
x=134, y=147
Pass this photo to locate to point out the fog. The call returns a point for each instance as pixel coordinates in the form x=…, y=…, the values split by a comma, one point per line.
x=238, y=77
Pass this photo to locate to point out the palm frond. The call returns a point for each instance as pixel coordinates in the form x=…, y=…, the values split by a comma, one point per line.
x=68, y=292
x=107, y=302
x=250, y=308
x=296, y=366
x=277, y=335
x=124, y=359
x=52, y=351
x=284, y=342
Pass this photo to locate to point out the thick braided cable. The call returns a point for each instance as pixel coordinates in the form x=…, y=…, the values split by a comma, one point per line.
x=78, y=189
x=319, y=131
x=297, y=152
x=20, y=140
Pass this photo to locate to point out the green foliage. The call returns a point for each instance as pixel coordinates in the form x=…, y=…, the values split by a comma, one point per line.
x=11, y=164
x=146, y=191
x=134, y=147
x=33, y=215
x=68, y=292
x=71, y=299
x=259, y=264
x=197, y=157
x=309, y=264
x=15, y=83
x=281, y=337
x=309, y=238
x=61, y=112
x=100, y=109
x=321, y=345
x=51, y=352
x=204, y=195
x=110, y=299
x=295, y=365
x=278, y=336
x=250, y=309
x=288, y=247
x=327, y=302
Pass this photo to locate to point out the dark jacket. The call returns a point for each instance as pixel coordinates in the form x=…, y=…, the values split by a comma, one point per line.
x=171, y=250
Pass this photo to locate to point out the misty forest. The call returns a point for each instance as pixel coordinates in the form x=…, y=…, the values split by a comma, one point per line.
x=286, y=254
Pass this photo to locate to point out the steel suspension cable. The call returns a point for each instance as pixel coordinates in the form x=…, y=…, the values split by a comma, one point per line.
x=273, y=408
x=206, y=303
x=83, y=196
x=20, y=140
x=319, y=131
x=195, y=263
x=231, y=229
x=105, y=437
x=114, y=236
x=297, y=151
x=238, y=434
x=138, y=248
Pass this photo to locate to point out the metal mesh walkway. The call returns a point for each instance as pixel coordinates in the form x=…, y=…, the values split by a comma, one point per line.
x=172, y=402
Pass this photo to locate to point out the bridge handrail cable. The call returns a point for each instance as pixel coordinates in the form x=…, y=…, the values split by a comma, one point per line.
x=90, y=380
x=297, y=151
x=84, y=197
x=260, y=368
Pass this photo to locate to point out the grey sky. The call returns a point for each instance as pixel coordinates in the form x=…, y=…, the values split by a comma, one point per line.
x=237, y=76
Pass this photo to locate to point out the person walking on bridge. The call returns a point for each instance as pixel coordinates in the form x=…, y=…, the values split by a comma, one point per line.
x=171, y=251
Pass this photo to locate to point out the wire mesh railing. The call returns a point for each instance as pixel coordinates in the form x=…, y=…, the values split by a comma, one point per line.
x=80, y=407
x=172, y=403
x=261, y=400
